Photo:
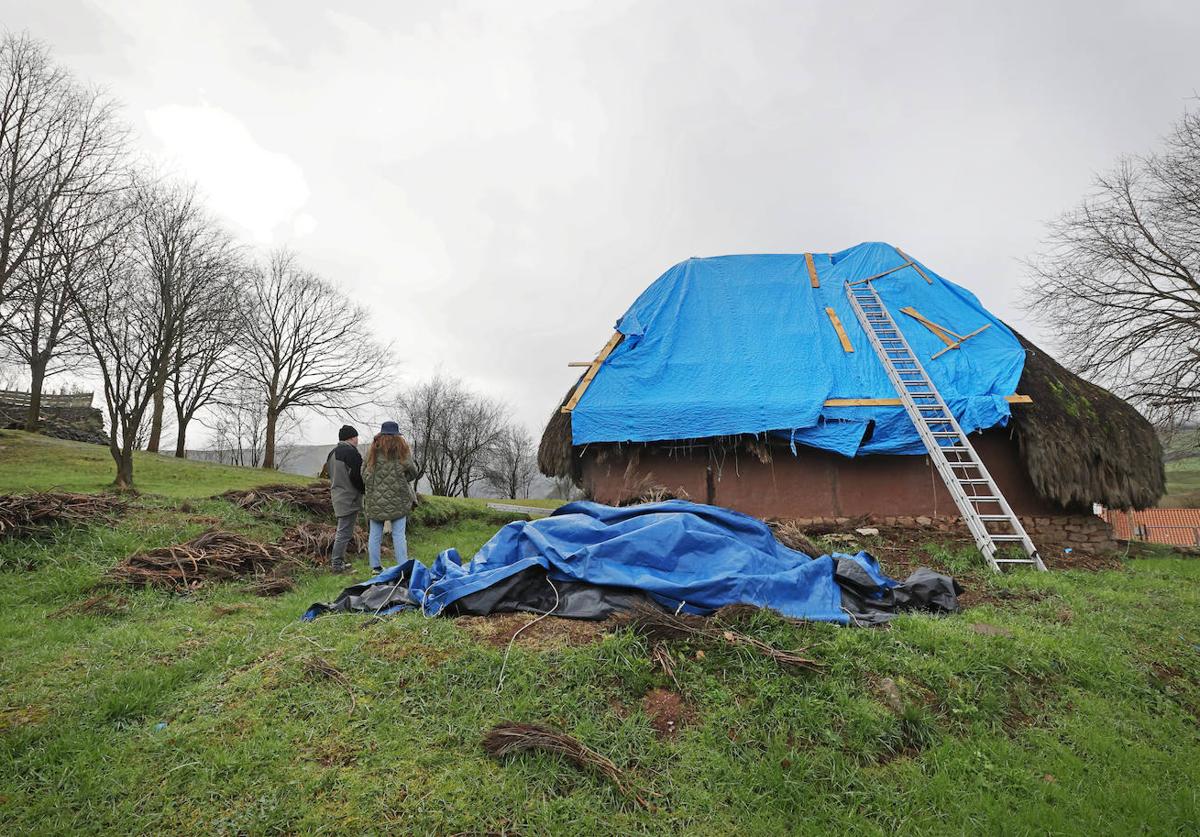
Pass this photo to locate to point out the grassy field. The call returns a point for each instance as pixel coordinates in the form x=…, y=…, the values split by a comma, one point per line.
x=1063, y=703
x=38, y=463
x=1183, y=483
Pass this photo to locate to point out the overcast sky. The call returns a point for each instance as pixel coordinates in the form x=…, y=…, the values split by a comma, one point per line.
x=496, y=182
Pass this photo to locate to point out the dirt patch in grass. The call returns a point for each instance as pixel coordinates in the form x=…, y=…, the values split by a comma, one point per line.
x=20, y=716
x=667, y=712
x=548, y=634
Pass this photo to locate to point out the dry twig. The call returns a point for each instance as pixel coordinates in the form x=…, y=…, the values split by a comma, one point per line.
x=506, y=739
x=655, y=623
x=320, y=667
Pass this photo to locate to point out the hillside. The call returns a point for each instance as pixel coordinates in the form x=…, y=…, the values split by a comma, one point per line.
x=1065, y=702
x=29, y=462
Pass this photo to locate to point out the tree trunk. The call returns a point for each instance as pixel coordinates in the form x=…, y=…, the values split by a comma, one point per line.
x=181, y=437
x=156, y=418
x=123, y=456
x=269, y=442
x=37, y=380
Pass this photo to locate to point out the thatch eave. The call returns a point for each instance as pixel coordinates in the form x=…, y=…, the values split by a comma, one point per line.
x=1079, y=443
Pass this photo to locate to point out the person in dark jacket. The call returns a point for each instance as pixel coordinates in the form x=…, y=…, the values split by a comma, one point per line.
x=344, y=466
x=390, y=495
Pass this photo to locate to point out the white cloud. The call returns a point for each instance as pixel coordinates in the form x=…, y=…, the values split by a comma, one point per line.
x=253, y=187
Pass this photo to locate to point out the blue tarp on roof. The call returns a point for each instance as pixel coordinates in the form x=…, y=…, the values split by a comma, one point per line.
x=743, y=344
x=687, y=556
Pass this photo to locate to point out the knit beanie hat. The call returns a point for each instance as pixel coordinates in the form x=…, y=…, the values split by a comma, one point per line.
x=347, y=432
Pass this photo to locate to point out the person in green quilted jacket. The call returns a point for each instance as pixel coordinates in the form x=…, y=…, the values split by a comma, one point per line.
x=388, y=473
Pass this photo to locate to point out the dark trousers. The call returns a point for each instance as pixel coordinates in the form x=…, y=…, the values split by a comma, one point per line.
x=341, y=541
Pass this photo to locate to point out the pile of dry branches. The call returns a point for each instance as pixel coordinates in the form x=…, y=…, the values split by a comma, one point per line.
x=506, y=739
x=313, y=498
x=25, y=514
x=315, y=541
x=212, y=556
x=657, y=624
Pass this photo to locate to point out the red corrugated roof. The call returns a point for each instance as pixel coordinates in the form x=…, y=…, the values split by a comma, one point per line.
x=1179, y=527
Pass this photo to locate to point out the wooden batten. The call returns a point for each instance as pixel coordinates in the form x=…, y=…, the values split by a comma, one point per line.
x=896, y=402
x=593, y=368
x=847, y=346
x=944, y=334
x=915, y=266
x=813, y=279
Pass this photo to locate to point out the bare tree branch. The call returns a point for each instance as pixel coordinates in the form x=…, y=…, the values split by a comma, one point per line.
x=306, y=345
x=1119, y=280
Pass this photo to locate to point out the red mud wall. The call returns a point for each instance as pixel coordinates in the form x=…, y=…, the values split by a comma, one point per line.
x=813, y=484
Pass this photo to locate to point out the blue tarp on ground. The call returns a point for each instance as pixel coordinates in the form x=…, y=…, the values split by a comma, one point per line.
x=743, y=344
x=685, y=555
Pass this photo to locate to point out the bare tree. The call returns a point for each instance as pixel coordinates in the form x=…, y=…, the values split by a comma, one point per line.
x=60, y=147
x=45, y=331
x=306, y=345
x=512, y=466
x=203, y=365
x=1119, y=281
x=239, y=427
x=453, y=432
x=192, y=263
x=122, y=319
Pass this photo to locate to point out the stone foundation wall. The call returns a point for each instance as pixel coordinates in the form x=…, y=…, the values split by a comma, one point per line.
x=1082, y=532
x=79, y=424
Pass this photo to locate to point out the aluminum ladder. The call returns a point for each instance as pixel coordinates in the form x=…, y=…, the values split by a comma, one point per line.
x=991, y=520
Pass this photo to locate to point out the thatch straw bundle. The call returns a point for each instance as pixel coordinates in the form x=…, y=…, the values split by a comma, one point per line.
x=22, y=515
x=313, y=498
x=212, y=556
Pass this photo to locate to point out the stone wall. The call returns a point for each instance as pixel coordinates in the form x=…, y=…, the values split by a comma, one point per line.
x=79, y=424
x=1050, y=533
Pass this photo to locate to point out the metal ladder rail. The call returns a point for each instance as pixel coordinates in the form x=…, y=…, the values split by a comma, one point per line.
x=933, y=413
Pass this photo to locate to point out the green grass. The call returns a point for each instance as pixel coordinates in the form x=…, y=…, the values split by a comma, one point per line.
x=1183, y=483
x=38, y=463
x=198, y=714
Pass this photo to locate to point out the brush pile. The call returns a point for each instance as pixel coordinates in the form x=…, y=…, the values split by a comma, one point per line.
x=212, y=556
x=313, y=498
x=505, y=739
x=657, y=624
x=22, y=515
x=315, y=541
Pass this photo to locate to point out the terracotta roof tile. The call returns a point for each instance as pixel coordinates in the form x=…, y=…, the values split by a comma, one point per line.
x=1179, y=527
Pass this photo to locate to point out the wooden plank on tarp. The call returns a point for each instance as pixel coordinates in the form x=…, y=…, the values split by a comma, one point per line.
x=916, y=266
x=847, y=346
x=812, y=270
x=946, y=335
x=896, y=402
x=586, y=381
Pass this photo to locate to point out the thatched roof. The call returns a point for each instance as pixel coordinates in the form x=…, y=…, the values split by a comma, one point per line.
x=1079, y=443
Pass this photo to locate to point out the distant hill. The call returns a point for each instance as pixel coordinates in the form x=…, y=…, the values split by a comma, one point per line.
x=308, y=460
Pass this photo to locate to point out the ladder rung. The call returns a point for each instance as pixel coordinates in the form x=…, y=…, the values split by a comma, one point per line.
x=995, y=518
x=984, y=499
x=946, y=434
x=1006, y=537
x=973, y=481
x=1014, y=560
